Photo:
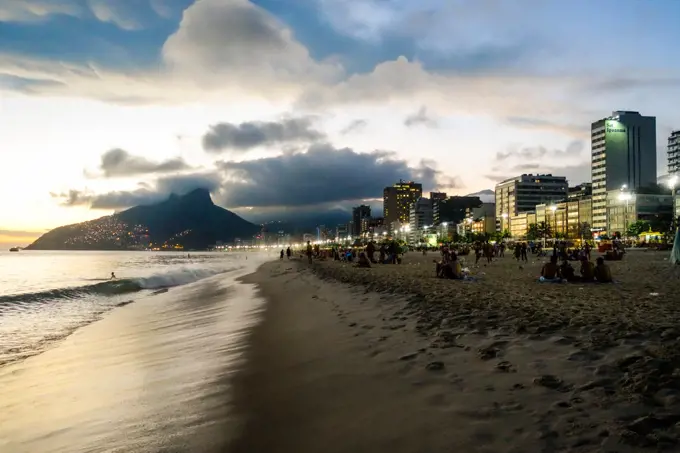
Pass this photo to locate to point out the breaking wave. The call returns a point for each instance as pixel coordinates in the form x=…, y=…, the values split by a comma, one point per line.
x=176, y=277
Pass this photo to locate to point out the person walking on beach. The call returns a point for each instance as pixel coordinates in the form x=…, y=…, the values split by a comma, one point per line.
x=281, y=255
x=370, y=251
x=309, y=252
x=288, y=252
x=523, y=252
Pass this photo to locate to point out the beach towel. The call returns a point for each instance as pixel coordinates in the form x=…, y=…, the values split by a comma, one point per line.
x=675, y=253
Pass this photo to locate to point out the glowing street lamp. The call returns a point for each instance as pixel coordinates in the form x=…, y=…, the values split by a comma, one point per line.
x=673, y=183
x=625, y=196
x=553, y=208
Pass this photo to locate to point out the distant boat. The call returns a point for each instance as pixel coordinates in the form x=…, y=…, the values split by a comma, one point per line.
x=14, y=249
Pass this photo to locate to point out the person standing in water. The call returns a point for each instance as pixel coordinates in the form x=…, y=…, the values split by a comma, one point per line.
x=113, y=276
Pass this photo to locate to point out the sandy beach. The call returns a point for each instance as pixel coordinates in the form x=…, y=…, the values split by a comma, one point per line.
x=392, y=359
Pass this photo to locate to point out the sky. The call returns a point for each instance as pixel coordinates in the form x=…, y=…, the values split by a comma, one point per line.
x=288, y=106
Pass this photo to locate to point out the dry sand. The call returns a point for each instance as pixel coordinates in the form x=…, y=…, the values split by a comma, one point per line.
x=390, y=359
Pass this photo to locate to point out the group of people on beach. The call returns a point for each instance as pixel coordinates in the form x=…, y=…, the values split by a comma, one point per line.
x=554, y=273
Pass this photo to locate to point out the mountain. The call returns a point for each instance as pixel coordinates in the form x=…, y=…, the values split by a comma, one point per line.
x=487, y=196
x=191, y=221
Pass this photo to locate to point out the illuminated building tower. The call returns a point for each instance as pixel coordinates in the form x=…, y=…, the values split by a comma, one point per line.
x=623, y=148
x=397, y=200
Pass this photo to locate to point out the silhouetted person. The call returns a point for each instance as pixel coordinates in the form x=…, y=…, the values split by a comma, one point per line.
x=603, y=273
x=363, y=261
x=587, y=270
x=567, y=271
x=549, y=271
x=281, y=258
x=113, y=276
x=288, y=252
x=370, y=251
x=309, y=252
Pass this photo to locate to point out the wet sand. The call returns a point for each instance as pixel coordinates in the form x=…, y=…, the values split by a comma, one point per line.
x=391, y=359
x=151, y=376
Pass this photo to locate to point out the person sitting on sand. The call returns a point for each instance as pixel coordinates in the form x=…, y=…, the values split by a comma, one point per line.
x=603, y=273
x=567, y=271
x=363, y=260
x=549, y=273
x=450, y=269
x=587, y=270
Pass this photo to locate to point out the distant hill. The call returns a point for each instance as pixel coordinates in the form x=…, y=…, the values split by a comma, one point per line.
x=487, y=196
x=190, y=221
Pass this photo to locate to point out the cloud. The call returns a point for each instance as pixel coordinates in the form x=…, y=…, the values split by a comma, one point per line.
x=574, y=130
x=248, y=135
x=323, y=174
x=526, y=167
x=36, y=10
x=244, y=43
x=420, y=118
x=19, y=233
x=575, y=173
x=145, y=194
x=118, y=162
x=354, y=126
x=573, y=149
x=127, y=15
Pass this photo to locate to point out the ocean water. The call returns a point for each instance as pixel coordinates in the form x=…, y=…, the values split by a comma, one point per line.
x=141, y=363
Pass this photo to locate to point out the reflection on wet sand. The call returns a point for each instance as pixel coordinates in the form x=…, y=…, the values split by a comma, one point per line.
x=151, y=376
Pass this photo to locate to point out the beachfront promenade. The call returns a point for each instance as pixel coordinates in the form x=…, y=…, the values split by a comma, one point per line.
x=392, y=359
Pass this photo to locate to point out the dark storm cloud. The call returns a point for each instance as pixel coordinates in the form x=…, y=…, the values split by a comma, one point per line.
x=118, y=162
x=420, y=118
x=245, y=136
x=540, y=153
x=145, y=194
x=354, y=126
x=321, y=175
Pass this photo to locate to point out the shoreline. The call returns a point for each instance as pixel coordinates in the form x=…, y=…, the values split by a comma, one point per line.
x=343, y=362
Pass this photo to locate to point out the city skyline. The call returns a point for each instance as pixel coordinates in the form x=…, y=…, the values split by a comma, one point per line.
x=310, y=105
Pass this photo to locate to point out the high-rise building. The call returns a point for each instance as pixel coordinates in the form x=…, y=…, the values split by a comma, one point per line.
x=453, y=209
x=673, y=151
x=522, y=194
x=359, y=213
x=623, y=148
x=342, y=231
x=420, y=218
x=397, y=200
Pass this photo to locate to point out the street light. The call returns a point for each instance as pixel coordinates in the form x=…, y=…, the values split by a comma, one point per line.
x=553, y=208
x=625, y=196
x=672, y=183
